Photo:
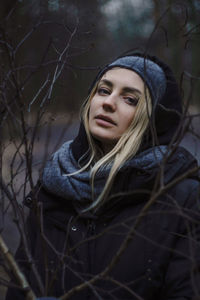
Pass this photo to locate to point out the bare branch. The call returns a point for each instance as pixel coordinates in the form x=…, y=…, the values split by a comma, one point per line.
x=16, y=270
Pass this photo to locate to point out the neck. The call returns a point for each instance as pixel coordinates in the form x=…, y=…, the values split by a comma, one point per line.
x=107, y=148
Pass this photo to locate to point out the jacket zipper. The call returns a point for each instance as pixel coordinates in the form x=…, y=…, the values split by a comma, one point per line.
x=91, y=252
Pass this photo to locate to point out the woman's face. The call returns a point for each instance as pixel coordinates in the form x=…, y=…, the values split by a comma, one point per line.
x=113, y=106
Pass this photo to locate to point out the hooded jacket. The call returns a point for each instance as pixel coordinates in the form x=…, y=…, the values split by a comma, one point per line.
x=142, y=244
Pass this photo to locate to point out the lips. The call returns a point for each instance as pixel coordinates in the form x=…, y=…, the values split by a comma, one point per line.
x=105, y=118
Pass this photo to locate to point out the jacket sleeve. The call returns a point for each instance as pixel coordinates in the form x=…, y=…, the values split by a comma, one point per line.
x=182, y=279
x=21, y=256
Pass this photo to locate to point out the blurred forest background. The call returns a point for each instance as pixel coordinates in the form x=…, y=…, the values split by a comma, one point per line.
x=50, y=51
x=35, y=32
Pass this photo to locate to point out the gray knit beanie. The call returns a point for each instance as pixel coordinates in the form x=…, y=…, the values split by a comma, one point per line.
x=149, y=71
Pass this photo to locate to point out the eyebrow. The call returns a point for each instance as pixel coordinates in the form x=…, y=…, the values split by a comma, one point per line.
x=125, y=89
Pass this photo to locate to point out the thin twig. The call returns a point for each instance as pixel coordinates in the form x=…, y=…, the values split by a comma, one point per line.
x=19, y=276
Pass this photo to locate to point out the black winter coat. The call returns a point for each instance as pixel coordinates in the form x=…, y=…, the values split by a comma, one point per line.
x=123, y=252
x=143, y=244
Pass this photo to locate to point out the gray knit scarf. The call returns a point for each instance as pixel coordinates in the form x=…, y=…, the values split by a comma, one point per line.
x=77, y=187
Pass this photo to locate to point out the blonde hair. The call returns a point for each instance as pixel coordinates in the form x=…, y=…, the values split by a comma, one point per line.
x=126, y=147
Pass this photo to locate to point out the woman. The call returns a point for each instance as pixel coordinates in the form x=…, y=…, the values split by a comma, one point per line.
x=114, y=216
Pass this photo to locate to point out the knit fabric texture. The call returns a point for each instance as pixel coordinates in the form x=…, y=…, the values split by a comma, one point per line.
x=57, y=179
x=149, y=71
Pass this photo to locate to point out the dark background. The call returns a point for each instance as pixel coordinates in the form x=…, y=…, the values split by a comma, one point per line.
x=69, y=40
x=105, y=29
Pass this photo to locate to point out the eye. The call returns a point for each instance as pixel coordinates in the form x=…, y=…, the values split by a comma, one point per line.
x=103, y=91
x=132, y=100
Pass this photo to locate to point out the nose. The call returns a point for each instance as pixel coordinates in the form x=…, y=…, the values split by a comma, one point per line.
x=109, y=103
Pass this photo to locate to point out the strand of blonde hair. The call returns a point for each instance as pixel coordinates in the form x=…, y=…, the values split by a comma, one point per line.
x=126, y=147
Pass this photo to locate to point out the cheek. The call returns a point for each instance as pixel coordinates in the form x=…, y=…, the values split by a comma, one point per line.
x=128, y=118
x=93, y=107
x=92, y=113
x=89, y=119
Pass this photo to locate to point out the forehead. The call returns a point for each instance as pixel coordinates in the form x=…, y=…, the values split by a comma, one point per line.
x=121, y=78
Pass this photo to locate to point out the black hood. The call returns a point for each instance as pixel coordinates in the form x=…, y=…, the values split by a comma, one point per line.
x=165, y=118
x=167, y=115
